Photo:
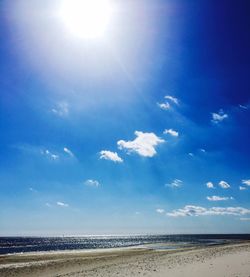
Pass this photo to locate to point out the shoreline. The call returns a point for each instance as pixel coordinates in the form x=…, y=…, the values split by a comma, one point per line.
x=130, y=261
x=150, y=246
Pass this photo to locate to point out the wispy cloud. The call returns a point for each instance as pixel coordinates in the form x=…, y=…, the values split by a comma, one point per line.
x=160, y=211
x=218, y=117
x=191, y=210
x=61, y=204
x=244, y=107
x=144, y=144
x=210, y=185
x=171, y=132
x=191, y=154
x=112, y=156
x=246, y=182
x=69, y=152
x=61, y=109
x=164, y=106
x=245, y=218
x=224, y=185
x=92, y=183
x=38, y=151
x=172, y=99
x=48, y=205
x=242, y=188
x=175, y=184
x=50, y=155
x=202, y=150
x=218, y=198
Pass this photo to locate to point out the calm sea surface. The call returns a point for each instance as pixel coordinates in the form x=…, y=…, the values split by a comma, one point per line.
x=10, y=245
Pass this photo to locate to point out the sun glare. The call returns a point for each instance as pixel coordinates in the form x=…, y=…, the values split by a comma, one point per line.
x=86, y=18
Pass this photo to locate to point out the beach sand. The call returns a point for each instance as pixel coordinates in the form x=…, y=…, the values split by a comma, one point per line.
x=216, y=261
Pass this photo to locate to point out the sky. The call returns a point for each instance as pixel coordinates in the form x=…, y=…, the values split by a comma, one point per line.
x=143, y=129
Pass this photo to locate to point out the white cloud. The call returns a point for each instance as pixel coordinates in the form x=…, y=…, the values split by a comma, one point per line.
x=160, y=211
x=190, y=154
x=175, y=184
x=164, y=106
x=191, y=210
x=218, y=198
x=188, y=210
x=38, y=150
x=245, y=218
x=172, y=99
x=243, y=107
x=144, y=144
x=171, y=132
x=210, y=185
x=203, y=150
x=61, y=109
x=246, y=182
x=69, y=152
x=242, y=188
x=50, y=155
x=61, y=204
x=112, y=156
x=92, y=183
x=218, y=117
x=224, y=185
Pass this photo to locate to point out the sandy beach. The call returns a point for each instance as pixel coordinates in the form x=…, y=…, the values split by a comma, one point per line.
x=224, y=260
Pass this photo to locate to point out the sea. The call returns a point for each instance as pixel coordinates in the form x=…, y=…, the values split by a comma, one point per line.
x=11, y=245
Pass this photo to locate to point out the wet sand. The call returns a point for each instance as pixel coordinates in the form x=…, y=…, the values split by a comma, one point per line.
x=218, y=261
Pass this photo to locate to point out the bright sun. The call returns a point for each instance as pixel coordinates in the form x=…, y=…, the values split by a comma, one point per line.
x=86, y=18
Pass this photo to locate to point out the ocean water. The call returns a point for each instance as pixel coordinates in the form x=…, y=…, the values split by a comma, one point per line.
x=9, y=245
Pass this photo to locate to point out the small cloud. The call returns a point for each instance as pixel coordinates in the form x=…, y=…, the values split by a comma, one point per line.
x=164, y=106
x=112, y=156
x=188, y=210
x=218, y=117
x=144, y=144
x=160, y=211
x=137, y=213
x=50, y=155
x=69, y=152
x=218, y=198
x=172, y=99
x=175, y=184
x=242, y=188
x=48, y=205
x=92, y=183
x=192, y=210
x=37, y=150
x=202, y=150
x=61, y=204
x=246, y=182
x=32, y=189
x=210, y=185
x=245, y=218
x=243, y=107
x=171, y=132
x=224, y=185
x=61, y=109
x=191, y=154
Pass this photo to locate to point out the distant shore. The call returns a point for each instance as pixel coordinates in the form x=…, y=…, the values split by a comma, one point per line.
x=220, y=260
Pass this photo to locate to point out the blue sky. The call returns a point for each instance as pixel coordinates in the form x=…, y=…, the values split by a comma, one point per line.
x=143, y=130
